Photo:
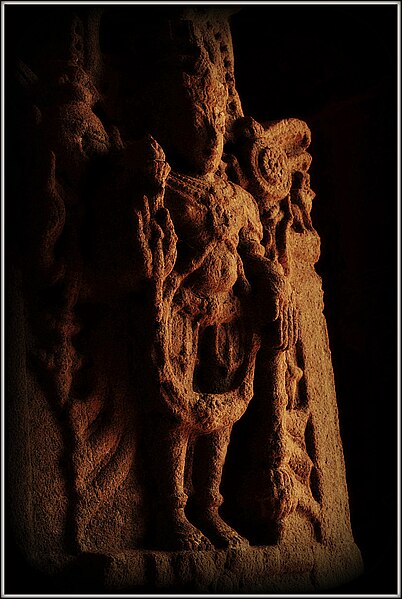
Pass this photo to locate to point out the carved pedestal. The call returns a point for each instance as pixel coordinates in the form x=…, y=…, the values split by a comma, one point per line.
x=171, y=397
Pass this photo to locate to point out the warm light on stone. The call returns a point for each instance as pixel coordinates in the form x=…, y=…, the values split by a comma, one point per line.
x=175, y=402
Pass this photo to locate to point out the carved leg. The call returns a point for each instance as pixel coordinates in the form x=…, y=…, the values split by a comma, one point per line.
x=174, y=531
x=209, y=458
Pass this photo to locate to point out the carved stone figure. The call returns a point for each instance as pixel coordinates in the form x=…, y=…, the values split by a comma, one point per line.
x=167, y=292
x=208, y=328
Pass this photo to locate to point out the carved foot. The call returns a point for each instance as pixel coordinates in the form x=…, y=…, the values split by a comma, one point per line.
x=177, y=533
x=220, y=533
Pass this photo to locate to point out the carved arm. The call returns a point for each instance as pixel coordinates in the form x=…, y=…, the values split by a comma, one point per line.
x=274, y=311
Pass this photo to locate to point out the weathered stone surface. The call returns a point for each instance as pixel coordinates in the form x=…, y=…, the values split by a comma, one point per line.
x=172, y=385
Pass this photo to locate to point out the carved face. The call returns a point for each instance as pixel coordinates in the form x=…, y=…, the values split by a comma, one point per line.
x=205, y=122
x=188, y=107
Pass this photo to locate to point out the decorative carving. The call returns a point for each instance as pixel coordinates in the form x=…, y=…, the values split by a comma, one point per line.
x=271, y=162
x=168, y=255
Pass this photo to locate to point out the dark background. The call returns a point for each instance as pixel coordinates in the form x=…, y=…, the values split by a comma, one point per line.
x=333, y=66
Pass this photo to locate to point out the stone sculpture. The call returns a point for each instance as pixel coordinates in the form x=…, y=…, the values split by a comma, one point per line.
x=167, y=278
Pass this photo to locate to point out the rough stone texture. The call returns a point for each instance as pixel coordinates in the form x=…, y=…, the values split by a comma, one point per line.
x=171, y=386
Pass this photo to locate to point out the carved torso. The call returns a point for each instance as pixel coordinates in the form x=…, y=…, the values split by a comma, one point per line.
x=209, y=215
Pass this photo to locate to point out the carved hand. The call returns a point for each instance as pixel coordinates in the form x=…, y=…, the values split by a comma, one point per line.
x=275, y=312
x=158, y=168
x=146, y=162
x=281, y=332
x=157, y=241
